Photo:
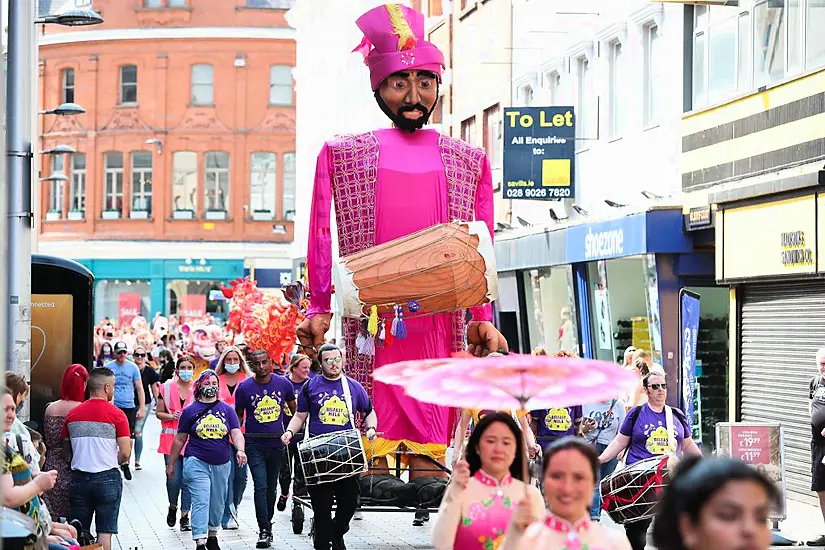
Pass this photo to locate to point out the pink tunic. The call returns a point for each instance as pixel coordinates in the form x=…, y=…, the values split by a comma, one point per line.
x=411, y=194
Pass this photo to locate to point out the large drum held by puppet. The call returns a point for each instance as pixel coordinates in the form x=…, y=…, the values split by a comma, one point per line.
x=331, y=457
x=444, y=268
x=631, y=494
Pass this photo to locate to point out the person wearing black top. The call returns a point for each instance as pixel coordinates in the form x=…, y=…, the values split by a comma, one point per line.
x=151, y=382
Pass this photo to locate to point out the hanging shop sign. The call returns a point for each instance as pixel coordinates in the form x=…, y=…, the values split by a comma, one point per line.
x=699, y=218
x=689, y=322
x=539, y=153
x=769, y=239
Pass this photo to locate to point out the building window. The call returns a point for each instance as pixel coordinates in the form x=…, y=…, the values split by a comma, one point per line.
x=280, y=85
x=263, y=177
x=525, y=95
x=289, y=186
x=652, y=75
x=56, y=187
x=270, y=4
x=176, y=3
x=814, y=37
x=216, y=178
x=202, y=90
x=77, y=199
x=142, y=182
x=769, y=48
x=113, y=183
x=438, y=112
x=152, y=3
x=617, y=76
x=67, y=86
x=584, y=102
x=468, y=130
x=744, y=56
x=493, y=135
x=184, y=182
x=552, y=81
x=128, y=84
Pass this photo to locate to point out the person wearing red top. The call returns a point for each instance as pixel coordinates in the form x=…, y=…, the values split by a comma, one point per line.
x=232, y=369
x=97, y=434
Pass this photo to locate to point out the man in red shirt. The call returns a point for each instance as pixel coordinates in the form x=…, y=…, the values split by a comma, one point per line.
x=96, y=434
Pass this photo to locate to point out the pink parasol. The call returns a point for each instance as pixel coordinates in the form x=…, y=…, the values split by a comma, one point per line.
x=523, y=382
x=400, y=374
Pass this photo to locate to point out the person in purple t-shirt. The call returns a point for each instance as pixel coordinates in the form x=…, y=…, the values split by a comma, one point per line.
x=555, y=423
x=261, y=403
x=323, y=400
x=297, y=374
x=206, y=425
x=645, y=433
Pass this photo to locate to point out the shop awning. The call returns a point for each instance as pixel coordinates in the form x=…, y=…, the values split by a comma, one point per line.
x=648, y=232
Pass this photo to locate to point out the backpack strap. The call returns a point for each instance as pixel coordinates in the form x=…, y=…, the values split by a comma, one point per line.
x=634, y=414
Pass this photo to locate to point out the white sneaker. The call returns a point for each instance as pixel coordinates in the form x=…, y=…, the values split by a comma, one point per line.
x=358, y=515
x=232, y=524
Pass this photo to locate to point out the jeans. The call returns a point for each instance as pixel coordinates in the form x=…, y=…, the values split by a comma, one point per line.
x=604, y=471
x=97, y=495
x=178, y=486
x=265, y=464
x=139, y=423
x=296, y=474
x=56, y=546
x=236, y=487
x=345, y=492
x=207, y=483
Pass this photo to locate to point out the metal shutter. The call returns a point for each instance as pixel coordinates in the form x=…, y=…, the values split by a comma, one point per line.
x=783, y=325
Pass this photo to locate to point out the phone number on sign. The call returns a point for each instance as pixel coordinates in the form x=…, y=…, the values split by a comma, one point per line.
x=555, y=192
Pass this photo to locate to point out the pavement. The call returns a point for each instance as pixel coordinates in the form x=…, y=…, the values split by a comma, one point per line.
x=143, y=526
x=142, y=522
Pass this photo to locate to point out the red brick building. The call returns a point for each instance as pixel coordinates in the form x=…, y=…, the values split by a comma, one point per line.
x=184, y=174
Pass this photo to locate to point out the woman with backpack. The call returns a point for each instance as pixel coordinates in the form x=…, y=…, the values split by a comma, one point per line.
x=650, y=430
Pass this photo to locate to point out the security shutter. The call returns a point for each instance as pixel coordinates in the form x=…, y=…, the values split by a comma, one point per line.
x=783, y=325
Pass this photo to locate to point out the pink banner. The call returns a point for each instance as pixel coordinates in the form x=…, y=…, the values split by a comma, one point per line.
x=128, y=307
x=193, y=308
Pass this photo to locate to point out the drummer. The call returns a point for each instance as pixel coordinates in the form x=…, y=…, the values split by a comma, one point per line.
x=647, y=433
x=322, y=400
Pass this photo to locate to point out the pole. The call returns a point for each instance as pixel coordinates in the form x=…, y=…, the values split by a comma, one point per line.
x=18, y=213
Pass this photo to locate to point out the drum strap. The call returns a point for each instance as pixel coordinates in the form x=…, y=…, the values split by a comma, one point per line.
x=671, y=432
x=348, y=400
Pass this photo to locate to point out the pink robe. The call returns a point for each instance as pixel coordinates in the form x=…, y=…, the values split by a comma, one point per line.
x=411, y=193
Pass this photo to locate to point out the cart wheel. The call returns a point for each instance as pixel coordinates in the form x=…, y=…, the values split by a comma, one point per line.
x=297, y=519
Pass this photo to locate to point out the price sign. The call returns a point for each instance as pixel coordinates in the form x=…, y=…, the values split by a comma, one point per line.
x=751, y=444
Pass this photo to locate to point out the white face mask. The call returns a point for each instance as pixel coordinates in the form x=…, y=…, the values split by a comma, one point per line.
x=231, y=369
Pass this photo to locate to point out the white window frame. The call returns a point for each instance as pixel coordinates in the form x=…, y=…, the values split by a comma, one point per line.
x=651, y=107
x=77, y=198
x=142, y=184
x=288, y=187
x=470, y=134
x=179, y=180
x=617, y=65
x=584, y=96
x=123, y=84
x=112, y=176
x=258, y=183
x=202, y=85
x=57, y=187
x=552, y=85
x=275, y=87
x=495, y=135
x=220, y=175
x=65, y=86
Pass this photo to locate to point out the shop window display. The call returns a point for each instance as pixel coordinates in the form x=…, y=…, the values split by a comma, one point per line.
x=192, y=301
x=122, y=300
x=551, y=309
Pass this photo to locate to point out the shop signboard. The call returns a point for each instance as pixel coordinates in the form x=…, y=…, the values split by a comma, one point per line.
x=608, y=239
x=762, y=445
x=128, y=307
x=689, y=323
x=777, y=238
x=194, y=307
x=539, y=153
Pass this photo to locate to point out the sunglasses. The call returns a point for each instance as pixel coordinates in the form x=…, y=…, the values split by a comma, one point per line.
x=139, y=354
x=333, y=360
x=657, y=386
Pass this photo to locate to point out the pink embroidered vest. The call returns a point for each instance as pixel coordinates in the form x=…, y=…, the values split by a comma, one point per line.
x=354, y=178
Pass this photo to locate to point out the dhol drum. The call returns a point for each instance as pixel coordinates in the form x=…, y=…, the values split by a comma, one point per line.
x=444, y=268
x=631, y=494
x=331, y=457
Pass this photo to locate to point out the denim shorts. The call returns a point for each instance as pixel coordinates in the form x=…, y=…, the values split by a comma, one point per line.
x=96, y=495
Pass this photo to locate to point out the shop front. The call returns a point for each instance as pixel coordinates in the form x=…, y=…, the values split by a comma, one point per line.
x=188, y=288
x=768, y=251
x=596, y=288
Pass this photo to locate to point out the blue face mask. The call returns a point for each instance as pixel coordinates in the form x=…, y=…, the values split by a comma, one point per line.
x=185, y=375
x=232, y=369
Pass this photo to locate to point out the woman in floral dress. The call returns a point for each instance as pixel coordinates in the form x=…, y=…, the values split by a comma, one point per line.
x=486, y=488
x=72, y=392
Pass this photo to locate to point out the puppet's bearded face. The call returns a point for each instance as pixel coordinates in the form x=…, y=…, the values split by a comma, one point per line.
x=408, y=98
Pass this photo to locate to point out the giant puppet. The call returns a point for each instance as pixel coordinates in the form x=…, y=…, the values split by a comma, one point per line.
x=386, y=185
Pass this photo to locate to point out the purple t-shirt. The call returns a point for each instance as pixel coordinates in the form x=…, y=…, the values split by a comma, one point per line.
x=296, y=387
x=209, y=436
x=327, y=407
x=557, y=422
x=264, y=407
x=650, y=437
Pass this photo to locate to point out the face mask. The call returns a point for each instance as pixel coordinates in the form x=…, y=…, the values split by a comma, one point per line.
x=185, y=375
x=209, y=392
x=231, y=369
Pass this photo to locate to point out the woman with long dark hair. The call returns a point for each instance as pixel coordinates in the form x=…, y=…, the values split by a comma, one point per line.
x=571, y=467
x=715, y=504
x=485, y=487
